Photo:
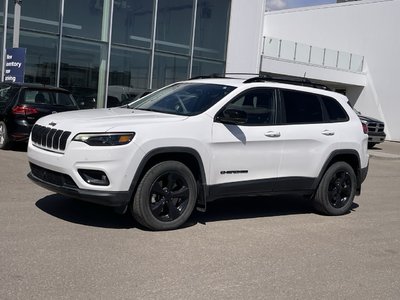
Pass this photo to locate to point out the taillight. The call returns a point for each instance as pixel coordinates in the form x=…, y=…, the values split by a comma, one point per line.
x=24, y=110
x=364, y=127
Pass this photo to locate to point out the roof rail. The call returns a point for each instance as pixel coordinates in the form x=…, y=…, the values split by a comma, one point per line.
x=214, y=75
x=222, y=75
x=301, y=81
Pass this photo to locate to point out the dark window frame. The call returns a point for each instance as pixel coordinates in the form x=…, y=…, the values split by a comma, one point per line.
x=326, y=112
x=282, y=116
x=275, y=107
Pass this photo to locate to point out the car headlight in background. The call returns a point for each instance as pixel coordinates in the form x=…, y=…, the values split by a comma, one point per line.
x=105, y=139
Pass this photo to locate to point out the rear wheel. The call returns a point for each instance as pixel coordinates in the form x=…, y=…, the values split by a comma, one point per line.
x=4, y=138
x=165, y=197
x=336, y=190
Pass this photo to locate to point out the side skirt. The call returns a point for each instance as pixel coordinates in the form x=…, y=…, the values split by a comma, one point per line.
x=287, y=185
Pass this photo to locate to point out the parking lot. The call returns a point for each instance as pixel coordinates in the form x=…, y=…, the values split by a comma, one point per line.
x=52, y=247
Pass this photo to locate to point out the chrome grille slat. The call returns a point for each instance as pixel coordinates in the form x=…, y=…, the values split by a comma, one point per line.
x=50, y=138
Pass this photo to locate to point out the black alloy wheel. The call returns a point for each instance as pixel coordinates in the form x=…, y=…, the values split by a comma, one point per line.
x=165, y=197
x=169, y=196
x=340, y=189
x=4, y=138
x=336, y=191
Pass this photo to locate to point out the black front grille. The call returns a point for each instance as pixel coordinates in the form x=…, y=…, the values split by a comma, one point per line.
x=52, y=177
x=49, y=137
x=376, y=127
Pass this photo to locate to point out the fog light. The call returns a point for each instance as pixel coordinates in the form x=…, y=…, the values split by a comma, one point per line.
x=94, y=177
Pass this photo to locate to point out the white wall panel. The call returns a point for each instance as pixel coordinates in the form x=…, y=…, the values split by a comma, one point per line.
x=369, y=28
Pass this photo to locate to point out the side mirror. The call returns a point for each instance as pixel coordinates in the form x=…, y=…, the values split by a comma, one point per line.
x=233, y=116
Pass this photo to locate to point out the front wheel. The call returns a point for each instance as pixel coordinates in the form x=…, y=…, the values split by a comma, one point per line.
x=4, y=139
x=336, y=191
x=165, y=197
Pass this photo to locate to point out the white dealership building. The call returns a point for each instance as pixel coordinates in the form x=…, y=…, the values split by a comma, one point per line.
x=92, y=46
x=352, y=47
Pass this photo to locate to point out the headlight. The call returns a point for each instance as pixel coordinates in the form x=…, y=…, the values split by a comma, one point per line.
x=105, y=139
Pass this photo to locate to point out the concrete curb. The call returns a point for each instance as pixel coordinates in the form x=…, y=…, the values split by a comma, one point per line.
x=383, y=155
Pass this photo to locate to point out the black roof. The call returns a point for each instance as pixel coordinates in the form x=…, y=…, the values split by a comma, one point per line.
x=34, y=85
x=267, y=78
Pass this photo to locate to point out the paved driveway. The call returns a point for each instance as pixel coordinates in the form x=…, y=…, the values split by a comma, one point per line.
x=52, y=247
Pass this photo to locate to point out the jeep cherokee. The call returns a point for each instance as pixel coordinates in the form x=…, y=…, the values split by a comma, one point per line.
x=202, y=139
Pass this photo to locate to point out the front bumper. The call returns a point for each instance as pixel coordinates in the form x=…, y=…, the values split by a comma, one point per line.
x=61, y=185
x=376, y=138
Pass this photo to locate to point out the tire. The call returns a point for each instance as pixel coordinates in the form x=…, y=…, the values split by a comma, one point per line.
x=371, y=145
x=5, y=142
x=336, y=191
x=165, y=197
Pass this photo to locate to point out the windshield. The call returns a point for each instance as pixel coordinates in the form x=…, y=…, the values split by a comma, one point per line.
x=185, y=99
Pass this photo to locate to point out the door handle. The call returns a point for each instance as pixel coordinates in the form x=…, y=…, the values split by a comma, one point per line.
x=328, y=132
x=272, y=134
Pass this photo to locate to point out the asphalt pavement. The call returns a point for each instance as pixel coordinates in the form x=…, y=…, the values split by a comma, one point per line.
x=52, y=247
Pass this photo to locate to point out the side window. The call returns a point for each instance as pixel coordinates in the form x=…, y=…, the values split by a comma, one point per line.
x=301, y=107
x=258, y=104
x=335, y=111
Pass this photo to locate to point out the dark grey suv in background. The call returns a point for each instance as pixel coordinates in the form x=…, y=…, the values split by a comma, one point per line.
x=376, y=130
x=22, y=104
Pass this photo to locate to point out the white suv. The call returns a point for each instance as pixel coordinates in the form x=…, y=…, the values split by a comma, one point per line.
x=199, y=140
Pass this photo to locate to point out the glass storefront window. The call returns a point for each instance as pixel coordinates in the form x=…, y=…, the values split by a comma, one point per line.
x=169, y=69
x=132, y=22
x=211, y=29
x=80, y=64
x=85, y=43
x=41, y=56
x=204, y=67
x=1, y=12
x=84, y=18
x=174, y=25
x=129, y=67
x=40, y=15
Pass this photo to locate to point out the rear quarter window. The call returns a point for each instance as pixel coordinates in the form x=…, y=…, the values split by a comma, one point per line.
x=334, y=110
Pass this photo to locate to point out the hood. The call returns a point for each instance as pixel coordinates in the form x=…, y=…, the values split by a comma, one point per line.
x=103, y=120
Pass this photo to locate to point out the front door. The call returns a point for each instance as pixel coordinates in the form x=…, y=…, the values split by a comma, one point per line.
x=246, y=157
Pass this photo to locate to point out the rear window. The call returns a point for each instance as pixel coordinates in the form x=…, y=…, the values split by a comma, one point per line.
x=33, y=96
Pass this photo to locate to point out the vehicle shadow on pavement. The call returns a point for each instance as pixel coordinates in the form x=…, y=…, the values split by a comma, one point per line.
x=254, y=207
x=19, y=147
x=84, y=213
x=89, y=214
x=257, y=207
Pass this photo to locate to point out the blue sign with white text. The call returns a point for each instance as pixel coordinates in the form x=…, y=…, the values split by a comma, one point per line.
x=15, y=65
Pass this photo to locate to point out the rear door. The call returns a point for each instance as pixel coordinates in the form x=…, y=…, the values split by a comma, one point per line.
x=308, y=139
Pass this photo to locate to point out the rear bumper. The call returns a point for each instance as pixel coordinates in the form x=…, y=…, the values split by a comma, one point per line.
x=361, y=178
x=363, y=174
x=19, y=130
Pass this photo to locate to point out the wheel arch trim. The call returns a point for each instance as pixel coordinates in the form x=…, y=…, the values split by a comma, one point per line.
x=331, y=159
x=201, y=202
